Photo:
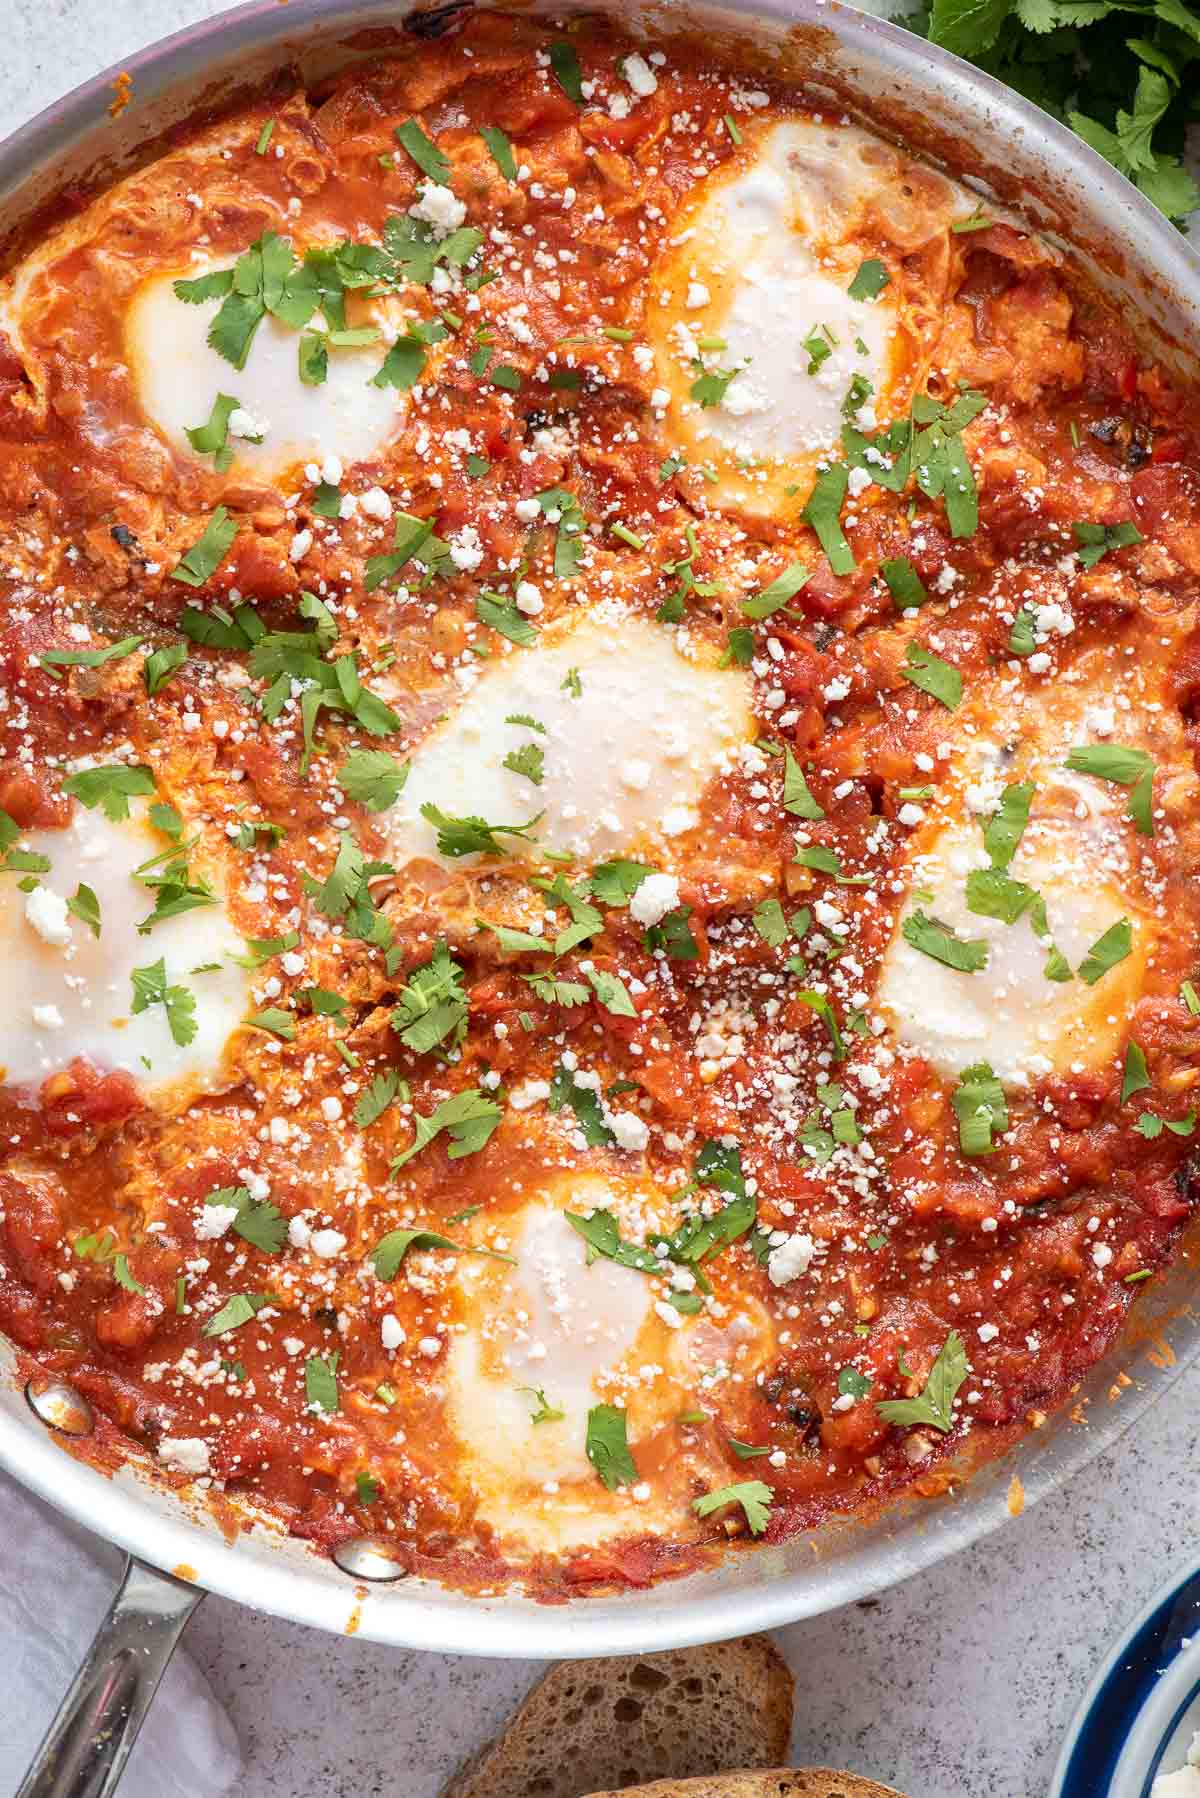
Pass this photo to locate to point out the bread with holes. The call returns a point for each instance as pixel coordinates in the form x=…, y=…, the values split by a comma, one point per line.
x=606, y=1725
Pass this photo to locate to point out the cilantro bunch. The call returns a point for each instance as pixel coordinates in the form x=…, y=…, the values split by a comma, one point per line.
x=1125, y=74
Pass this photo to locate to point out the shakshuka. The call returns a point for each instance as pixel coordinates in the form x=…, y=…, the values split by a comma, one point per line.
x=599, y=823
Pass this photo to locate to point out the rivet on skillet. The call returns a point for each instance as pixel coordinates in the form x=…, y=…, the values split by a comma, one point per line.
x=60, y=1407
x=369, y=1558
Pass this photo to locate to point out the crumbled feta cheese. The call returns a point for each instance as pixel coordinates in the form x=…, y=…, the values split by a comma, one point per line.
x=792, y=1258
x=466, y=551
x=438, y=207
x=188, y=1453
x=375, y=503
x=640, y=76
x=629, y=1129
x=653, y=898
x=213, y=1221
x=244, y=424
x=47, y=913
x=327, y=1243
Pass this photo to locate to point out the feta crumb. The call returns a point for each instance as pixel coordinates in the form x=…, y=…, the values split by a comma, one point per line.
x=244, y=424
x=640, y=76
x=792, y=1258
x=188, y=1453
x=631, y=1132
x=653, y=898
x=327, y=1243
x=213, y=1221
x=438, y=207
x=375, y=503
x=47, y=913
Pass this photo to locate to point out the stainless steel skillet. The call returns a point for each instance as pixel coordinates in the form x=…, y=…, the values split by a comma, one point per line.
x=954, y=114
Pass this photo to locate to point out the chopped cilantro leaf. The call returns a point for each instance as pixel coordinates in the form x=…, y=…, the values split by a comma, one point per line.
x=1005, y=828
x=472, y=836
x=565, y=64
x=161, y=664
x=904, y=583
x=784, y=587
x=607, y=1446
x=543, y=1411
x=110, y=788
x=823, y=513
x=981, y=1108
x=403, y=365
x=870, y=281
x=235, y=1312
x=753, y=1496
x=1131, y=768
x=85, y=906
x=797, y=799
x=150, y=987
x=1151, y=1127
x=1105, y=953
x=529, y=760
x=612, y=993
x=424, y=152
x=935, y=1406
x=432, y=1006
x=1022, y=639
x=1135, y=1075
x=320, y=1381
x=89, y=658
x=201, y=561
x=469, y=1118
x=710, y=386
x=1096, y=540
x=501, y=151
x=933, y=676
x=374, y=1100
x=819, y=1003
x=770, y=923
x=585, y=1103
x=940, y=944
x=501, y=615
x=372, y=778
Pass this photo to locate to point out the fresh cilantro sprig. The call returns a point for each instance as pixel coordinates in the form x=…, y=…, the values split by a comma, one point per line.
x=1122, y=73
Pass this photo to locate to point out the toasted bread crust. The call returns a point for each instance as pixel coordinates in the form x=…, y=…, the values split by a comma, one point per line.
x=588, y=1725
x=780, y=1782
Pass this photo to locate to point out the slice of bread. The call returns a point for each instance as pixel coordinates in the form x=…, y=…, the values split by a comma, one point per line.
x=594, y=1724
x=783, y=1782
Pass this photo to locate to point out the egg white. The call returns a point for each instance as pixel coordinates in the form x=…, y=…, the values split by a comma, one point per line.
x=1079, y=851
x=75, y=999
x=178, y=376
x=626, y=761
x=765, y=246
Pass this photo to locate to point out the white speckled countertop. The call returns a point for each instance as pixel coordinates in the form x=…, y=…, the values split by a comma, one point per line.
x=956, y=1685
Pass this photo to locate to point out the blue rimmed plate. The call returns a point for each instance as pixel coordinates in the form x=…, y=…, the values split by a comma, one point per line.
x=1141, y=1709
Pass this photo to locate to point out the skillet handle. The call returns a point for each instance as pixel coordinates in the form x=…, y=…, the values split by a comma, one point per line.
x=86, y=1747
